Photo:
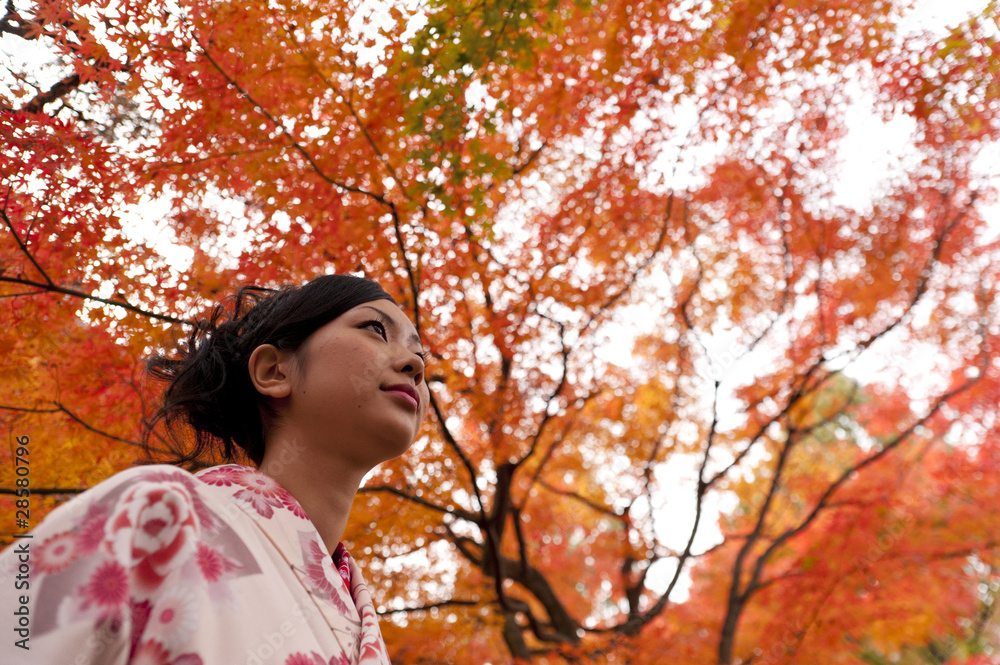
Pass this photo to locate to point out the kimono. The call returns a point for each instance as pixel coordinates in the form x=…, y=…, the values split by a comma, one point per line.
x=156, y=565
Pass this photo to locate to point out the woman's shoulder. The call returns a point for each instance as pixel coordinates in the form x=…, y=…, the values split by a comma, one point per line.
x=161, y=475
x=145, y=521
x=130, y=492
x=136, y=475
x=145, y=538
x=110, y=490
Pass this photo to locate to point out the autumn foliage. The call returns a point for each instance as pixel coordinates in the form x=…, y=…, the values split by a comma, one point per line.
x=690, y=403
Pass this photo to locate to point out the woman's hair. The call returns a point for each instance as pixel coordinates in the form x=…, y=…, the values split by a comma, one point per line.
x=209, y=385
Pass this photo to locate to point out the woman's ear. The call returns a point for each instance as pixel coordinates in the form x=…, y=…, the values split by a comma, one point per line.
x=271, y=371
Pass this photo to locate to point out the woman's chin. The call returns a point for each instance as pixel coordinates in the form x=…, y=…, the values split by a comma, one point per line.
x=390, y=448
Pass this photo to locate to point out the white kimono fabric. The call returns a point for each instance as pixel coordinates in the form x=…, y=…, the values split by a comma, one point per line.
x=159, y=566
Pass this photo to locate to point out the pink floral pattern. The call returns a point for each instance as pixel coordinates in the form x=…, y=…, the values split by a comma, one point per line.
x=57, y=552
x=343, y=560
x=315, y=659
x=205, y=516
x=223, y=476
x=140, y=617
x=289, y=502
x=107, y=588
x=91, y=530
x=372, y=647
x=174, y=619
x=315, y=569
x=152, y=652
x=165, y=566
x=213, y=564
x=305, y=659
x=259, y=491
x=153, y=530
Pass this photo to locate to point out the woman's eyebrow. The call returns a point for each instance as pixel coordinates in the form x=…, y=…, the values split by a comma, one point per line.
x=414, y=337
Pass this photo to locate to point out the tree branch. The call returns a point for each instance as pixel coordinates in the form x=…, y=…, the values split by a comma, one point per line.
x=292, y=141
x=57, y=91
x=454, y=512
x=45, y=491
x=457, y=602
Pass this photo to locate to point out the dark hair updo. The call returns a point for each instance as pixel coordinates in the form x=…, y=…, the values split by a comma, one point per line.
x=209, y=385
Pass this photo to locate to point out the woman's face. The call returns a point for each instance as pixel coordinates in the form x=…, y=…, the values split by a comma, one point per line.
x=358, y=382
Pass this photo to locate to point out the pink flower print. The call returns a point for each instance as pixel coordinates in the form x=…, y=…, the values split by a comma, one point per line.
x=222, y=476
x=212, y=563
x=316, y=565
x=262, y=493
x=372, y=651
x=288, y=501
x=342, y=557
x=140, y=617
x=188, y=659
x=315, y=571
x=206, y=519
x=57, y=552
x=174, y=619
x=305, y=659
x=150, y=652
x=90, y=532
x=372, y=647
x=154, y=529
x=107, y=588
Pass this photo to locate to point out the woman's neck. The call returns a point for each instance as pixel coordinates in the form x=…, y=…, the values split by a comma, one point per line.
x=324, y=486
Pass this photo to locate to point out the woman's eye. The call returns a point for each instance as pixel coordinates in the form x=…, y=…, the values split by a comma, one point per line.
x=377, y=326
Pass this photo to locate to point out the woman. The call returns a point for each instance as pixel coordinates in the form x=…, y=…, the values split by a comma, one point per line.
x=315, y=385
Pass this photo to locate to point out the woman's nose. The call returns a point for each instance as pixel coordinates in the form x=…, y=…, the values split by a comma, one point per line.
x=413, y=365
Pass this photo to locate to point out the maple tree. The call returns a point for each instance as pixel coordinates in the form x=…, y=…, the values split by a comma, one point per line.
x=525, y=177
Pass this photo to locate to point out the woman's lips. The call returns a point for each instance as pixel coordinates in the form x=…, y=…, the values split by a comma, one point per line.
x=409, y=393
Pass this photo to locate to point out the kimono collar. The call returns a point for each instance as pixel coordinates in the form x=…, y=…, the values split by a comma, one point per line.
x=283, y=521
